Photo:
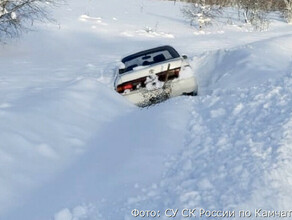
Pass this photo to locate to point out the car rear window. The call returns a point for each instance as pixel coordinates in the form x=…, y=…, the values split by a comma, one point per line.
x=149, y=57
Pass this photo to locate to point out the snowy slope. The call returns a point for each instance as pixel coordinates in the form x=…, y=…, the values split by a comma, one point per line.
x=237, y=150
x=72, y=149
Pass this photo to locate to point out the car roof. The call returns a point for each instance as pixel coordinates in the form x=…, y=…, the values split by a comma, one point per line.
x=170, y=49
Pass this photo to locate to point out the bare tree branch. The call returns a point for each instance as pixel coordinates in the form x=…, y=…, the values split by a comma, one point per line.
x=17, y=15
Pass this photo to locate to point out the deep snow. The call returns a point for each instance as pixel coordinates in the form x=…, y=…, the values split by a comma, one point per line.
x=71, y=148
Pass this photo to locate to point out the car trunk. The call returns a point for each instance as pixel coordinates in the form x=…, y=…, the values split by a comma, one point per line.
x=141, y=76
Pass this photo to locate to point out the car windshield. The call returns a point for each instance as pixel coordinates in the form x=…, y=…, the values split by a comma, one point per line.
x=149, y=57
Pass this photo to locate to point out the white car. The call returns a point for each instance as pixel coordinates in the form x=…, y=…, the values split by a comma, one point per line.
x=153, y=75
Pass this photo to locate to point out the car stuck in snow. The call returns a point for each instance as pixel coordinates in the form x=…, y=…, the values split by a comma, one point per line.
x=153, y=75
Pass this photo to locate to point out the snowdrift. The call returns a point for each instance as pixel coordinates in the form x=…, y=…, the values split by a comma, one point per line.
x=237, y=146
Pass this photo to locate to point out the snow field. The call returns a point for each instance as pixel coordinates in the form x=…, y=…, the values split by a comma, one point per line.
x=73, y=149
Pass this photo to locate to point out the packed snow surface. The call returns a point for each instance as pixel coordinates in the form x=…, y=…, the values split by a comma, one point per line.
x=72, y=148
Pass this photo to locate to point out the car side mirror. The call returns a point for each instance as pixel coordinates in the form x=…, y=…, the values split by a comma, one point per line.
x=184, y=56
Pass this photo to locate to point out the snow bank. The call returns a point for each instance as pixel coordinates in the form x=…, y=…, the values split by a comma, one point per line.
x=237, y=146
x=234, y=154
x=244, y=66
x=44, y=130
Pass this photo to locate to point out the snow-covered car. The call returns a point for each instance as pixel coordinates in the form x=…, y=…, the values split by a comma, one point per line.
x=154, y=75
